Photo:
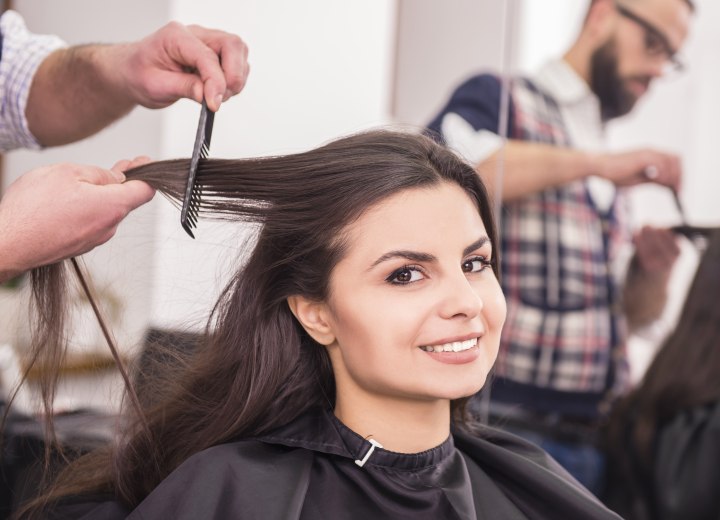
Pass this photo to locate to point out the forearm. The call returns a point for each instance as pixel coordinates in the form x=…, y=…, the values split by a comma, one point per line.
x=72, y=96
x=532, y=167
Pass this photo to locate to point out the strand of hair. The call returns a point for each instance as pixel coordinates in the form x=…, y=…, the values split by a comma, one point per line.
x=110, y=341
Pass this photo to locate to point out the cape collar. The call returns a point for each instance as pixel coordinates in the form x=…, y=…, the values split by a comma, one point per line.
x=320, y=431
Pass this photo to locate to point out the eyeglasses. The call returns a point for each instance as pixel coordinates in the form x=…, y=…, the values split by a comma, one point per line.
x=656, y=43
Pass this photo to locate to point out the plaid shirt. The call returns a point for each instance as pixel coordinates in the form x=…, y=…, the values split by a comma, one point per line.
x=562, y=347
x=22, y=54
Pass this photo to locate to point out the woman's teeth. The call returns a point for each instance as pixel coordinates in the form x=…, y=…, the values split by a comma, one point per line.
x=455, y=346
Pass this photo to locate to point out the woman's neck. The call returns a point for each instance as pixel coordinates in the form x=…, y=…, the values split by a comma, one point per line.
x=399, y=425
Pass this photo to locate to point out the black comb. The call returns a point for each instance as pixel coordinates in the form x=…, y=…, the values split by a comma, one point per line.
x=694, y=232
x=193, y=190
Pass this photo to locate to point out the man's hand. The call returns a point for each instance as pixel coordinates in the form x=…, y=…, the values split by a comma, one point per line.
x=645, y=291
x=656, y=250
x=179, y=61
x=64, y=210
x=78, y=91
x=639, y=166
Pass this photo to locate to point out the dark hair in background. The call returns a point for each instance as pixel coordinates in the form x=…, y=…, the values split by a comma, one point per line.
x=255, y=368
x=684, y=374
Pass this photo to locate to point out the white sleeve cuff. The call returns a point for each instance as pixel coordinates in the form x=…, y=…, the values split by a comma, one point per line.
x=473, y=145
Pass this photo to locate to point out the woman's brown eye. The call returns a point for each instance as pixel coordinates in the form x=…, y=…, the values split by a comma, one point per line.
x=476, y=265
x=404, y=276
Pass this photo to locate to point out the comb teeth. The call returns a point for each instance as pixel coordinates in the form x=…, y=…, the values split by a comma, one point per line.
x=193, y=190
x=194, y=204
x=191, y=217
x=193, y=209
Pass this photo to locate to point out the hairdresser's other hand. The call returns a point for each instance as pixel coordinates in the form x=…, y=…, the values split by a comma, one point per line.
x=64, y=210
x=640, y=166
x=179, y=61
x=656, y=250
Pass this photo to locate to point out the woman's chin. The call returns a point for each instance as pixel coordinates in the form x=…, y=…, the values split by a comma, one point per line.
x=461, y=392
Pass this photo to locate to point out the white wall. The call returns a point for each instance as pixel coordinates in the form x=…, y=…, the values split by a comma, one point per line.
x=440, y=44
x=320, y=69
x=546, y=29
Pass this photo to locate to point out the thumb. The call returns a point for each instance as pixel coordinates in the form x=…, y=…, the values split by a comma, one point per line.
x=120, y=167
x=100, y=176
x=126, y=196
x=136, y=193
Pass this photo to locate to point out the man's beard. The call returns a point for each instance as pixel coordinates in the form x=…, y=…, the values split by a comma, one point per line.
x=605, y=81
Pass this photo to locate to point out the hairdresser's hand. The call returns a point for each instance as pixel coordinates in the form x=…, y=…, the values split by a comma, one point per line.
x=179, y=61
x=64, y=210
x=640, y=166
x=656, y=250
x=645, y=291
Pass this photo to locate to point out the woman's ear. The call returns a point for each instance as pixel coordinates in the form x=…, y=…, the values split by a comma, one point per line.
x=313, y=316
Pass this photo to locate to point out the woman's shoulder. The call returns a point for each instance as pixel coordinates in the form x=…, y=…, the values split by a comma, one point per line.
x=239, y=460
x=493, y=442
x=236, y=476
x=685, y=469
x=210, y=484
x=234, y=452
x=86, y=508
x=526, y=474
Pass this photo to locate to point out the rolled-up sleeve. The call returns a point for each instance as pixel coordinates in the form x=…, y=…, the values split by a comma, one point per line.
x=469, y=122
x=22, y=54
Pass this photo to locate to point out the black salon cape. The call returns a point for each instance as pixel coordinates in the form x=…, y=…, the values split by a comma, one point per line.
x=306, y=471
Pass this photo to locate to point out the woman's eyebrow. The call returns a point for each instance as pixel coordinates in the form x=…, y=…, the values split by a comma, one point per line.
x=414, y=256
x=475, y=245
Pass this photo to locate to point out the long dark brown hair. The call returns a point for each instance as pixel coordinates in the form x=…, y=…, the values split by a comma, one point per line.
x=256, y=368
x=684, y=374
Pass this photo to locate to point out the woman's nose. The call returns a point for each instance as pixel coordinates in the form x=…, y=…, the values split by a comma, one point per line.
x=460, y=298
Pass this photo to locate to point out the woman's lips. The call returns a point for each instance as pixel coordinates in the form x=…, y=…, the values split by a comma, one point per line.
x=456, y=358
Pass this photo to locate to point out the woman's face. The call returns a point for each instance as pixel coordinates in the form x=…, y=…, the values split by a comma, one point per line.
x=414, y=307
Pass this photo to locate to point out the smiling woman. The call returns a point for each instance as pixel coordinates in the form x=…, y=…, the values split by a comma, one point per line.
x=414, y=279
x=332, y=379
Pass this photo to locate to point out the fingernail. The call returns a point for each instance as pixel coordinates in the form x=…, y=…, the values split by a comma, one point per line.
x=218, y=101
x=119, y=176
x=651, y=172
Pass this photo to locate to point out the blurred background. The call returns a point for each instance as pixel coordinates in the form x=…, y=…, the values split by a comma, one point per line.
x=323, y=68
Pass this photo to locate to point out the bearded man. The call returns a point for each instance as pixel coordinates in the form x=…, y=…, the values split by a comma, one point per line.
x=562, y=357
